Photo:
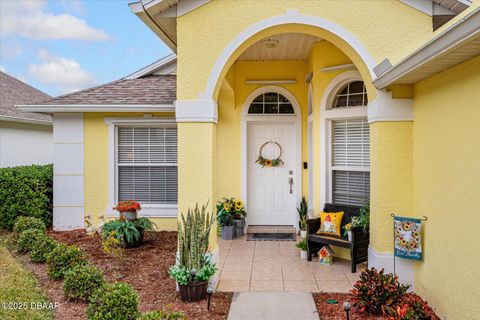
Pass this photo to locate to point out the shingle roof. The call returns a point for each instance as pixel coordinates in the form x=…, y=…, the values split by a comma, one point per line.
x=15, y=92
x=150, y=90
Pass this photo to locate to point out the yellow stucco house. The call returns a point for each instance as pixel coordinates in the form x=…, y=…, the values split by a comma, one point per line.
x=375, y=100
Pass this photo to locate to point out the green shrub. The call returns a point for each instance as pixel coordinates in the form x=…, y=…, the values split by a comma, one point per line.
x=81, y=281
x=127, y=232
x=26, y=191
x=62, y=259
x=42, y=248
x=377, y=293
x=24, y=223
x=162, y=315
x=116, y=301
x=28, y=238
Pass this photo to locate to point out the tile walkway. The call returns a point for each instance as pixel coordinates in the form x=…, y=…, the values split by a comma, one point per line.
x=276, y=266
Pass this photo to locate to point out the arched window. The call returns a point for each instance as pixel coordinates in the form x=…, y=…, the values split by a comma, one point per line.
x=352, y=94
x=271, y=103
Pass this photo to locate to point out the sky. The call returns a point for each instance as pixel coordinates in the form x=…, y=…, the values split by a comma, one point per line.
x=61, y=46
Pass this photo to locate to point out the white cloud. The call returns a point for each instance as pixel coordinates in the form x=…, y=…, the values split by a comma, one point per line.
x=10, y=51
x=64, y=74
x=29, y=19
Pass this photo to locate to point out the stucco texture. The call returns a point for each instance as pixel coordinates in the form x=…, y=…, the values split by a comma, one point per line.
x=447, y=189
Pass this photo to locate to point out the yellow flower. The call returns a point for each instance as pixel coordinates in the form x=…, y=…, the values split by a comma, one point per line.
x=268, y=163
x=238, y=203
x=226, y=206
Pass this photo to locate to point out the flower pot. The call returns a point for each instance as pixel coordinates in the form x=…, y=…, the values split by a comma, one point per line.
x=135, y=243
x=303, y=254
x=303, y=234
x=227, y=232
x=349, y=234
x=238, y=227
x=193, y=291
x=129, y=215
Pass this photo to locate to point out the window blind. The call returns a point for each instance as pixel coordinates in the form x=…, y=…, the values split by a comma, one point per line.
x=147, y=164
x=350, y=161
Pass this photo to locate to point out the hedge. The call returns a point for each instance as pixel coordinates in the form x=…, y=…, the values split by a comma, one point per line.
x=26, y=191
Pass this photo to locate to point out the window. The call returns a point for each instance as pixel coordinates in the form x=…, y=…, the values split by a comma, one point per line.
x=350, y=161
x=147, y=164
x=352, y=94
x=271, y=103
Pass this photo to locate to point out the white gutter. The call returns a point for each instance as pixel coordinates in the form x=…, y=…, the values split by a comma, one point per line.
x=463, y=31
x=24, y=120
x=98, y=108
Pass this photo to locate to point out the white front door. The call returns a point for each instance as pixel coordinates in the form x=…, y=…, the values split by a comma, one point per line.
x=270, y=198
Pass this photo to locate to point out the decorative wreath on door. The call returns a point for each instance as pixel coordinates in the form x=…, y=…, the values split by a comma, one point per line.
x=264, y=162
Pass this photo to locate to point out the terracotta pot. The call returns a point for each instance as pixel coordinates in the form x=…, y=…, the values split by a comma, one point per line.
x=129, y=215
x=193, y=291
x=227, y=232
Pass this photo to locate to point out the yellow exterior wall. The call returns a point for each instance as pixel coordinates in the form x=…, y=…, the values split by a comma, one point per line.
x=97, y=167
x=447, y=189
x=379, y=25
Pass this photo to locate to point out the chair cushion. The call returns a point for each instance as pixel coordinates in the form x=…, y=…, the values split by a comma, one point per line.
x=330, y=223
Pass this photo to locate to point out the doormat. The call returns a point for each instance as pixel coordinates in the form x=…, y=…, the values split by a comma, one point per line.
x=271, y=237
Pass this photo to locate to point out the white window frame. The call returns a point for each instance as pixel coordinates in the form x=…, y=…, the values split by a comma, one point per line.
x=327, y=116
x=148, y=210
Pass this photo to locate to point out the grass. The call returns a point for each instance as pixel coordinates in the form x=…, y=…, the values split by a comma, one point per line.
x=18, y=285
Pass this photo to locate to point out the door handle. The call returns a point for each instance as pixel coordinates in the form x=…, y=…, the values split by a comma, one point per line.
x=290, y=182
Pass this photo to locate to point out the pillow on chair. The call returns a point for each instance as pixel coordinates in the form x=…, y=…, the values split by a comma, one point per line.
x=330, y=223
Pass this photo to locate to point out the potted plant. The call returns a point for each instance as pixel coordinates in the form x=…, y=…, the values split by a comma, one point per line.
x=129, y=233
x=239, y=214
x=194, y=267
x=347, y=231
x=302, y=245
x=225, y=219
x=128, y=209
x=363, y=218
x=302, y=214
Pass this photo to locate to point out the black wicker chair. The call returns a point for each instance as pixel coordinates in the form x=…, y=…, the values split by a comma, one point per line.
x=360, y=239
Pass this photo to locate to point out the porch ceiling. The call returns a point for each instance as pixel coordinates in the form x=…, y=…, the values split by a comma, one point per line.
x=283, y=46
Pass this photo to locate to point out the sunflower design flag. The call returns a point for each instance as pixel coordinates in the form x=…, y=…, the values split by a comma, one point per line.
x=408, y=238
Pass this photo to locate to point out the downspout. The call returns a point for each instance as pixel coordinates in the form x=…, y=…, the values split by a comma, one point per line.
x=155, y=23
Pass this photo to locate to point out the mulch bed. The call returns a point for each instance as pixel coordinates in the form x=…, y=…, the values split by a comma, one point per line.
x=335, y=311
x=145, y=268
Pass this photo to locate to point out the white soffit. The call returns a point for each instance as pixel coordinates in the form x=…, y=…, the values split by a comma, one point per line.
x=281, y=47
x=165, y=65
x=438, y=7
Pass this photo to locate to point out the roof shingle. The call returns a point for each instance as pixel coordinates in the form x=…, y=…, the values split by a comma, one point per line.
x=15, y=92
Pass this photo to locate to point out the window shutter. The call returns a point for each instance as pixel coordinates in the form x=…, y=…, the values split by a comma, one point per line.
x=351, y=187
x=147, y=164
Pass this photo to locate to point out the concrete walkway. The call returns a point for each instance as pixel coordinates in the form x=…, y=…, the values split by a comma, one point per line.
x=273, y=306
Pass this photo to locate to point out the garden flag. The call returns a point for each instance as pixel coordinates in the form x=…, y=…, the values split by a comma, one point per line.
x=408, y=237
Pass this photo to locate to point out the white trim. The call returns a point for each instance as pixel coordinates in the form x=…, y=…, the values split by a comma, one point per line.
x=288, y=118
x=404, y=268
x=155, y=67
x=25, y=120
x=385, y=108
x=148, y=210
x=196, y=110
x=455, y=36
x=291, y=16
x=97, y=108
x=326, y=116
x=348, y=66
x=310, y=142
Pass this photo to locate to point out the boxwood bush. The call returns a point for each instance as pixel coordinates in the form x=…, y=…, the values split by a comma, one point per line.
x=116, y=301
x=81, y=281
x=24, y=223
x=42, y=248
x=28, y=238
x=162, y=315
x=62, y=259
x=26, y=191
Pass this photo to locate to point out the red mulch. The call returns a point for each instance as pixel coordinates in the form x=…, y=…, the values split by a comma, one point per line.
x=335, y=311
x=145, y=268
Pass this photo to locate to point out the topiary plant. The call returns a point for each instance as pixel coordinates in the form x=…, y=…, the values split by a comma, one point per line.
x=62, y=259
x=377, y=293
x=25, y=223
x=81, y=281
x=28, y=238
x=42, y=248
x=116, y=301
x=162, y=315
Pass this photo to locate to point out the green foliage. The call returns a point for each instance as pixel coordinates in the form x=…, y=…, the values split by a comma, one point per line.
x=413, y=307
x=363, y=219
x=28, y=238
x=162, y=315
x=377, y=293
x=117, y=301
x=183, y=275
x=180, y=274
x=302, y=214
x=302, y=245
x=24, y=223
x=127, y=232
x=26, y=191
x=42, y=248
x=81, y=281
x=62, y=259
